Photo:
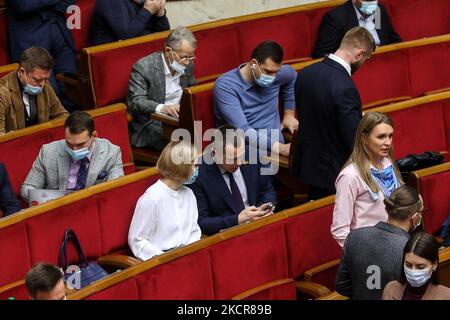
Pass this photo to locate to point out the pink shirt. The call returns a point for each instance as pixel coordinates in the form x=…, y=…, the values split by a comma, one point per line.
x=73, y=171
x=354, y=207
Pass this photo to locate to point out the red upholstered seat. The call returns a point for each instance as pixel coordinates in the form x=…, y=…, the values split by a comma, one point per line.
x=249, y=260
x=429, y=67
x=4, y=54
x=435, y=191
x=186, y=278
x=46, y=231
x=19, y=292
x=116, y=209
x=383, y=76
x=416, y=19
x=446, y=107
x=81, y=36
x=217, y=50
x=419, y=129
x=14, y=253
x=111, y=70
x=291, y=31
x=310, y=243
x=28, y=147
x=125, y=290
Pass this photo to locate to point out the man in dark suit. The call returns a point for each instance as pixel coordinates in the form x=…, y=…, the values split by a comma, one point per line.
x=43, y=23
x=227, y=192
x=8, y=200
x=329, y=109
x=369, y=14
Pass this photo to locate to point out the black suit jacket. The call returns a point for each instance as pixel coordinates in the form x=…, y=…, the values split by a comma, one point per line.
x=216, y=210
x=338, y=21
x=30, y=23
x=8, y=200
x=329, y=109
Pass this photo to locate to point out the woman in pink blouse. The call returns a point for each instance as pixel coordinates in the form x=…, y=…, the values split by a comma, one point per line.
x=368, y=177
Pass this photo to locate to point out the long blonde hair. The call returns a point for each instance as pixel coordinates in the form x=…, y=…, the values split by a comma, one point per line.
x=360, y=157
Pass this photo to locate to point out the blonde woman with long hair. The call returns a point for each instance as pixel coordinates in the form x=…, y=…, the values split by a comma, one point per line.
x=369, y=176
x=166, y=214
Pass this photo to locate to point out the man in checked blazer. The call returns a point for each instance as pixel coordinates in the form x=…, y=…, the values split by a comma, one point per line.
x=76, y=162
x=156, y=85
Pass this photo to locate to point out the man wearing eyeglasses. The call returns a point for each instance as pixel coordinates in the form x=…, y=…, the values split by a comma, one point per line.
x=156, y=85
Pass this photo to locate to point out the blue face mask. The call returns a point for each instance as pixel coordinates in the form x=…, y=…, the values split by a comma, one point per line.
x=192, y=178
x=79, y=154
x=369, y=7
x=417, y=278
x=175, y=65
x=264, y=80
x=32, y=90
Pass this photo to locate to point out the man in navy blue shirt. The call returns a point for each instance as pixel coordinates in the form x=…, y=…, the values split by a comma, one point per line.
x=115, y=20
x=247, y=97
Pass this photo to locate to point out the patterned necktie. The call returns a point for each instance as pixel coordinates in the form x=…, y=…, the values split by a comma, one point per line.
x=82, y=174
x=236, y=193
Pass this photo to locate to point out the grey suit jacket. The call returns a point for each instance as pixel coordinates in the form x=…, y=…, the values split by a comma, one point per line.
x=51, y=168
x=146, y=90
x=366, y=251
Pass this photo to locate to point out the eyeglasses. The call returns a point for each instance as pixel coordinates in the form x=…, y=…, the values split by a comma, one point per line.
x=184, y=59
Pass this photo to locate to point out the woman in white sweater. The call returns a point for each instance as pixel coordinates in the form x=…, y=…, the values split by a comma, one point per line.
x=166, y=214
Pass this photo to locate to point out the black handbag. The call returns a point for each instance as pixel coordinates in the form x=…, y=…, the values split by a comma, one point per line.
x=84, y=273
x=413, y=162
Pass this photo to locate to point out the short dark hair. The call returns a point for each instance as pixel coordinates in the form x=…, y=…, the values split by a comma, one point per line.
x=268, y=49
x=36, y=58
x=220, y=137
x=425, y=246
x=79, y=121
x=402, y=202
x=42, y=277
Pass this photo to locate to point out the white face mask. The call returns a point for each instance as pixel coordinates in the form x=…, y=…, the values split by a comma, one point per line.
x=417, y=278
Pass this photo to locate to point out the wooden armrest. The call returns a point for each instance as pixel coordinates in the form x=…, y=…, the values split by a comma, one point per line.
x=297, y=60
x=311, y=289
x=436, y=91
x=129, y=117
x=12, y=285
x=165, y=119
x=282, y=161
x=208, y=78
x=118, y=261
x=309, y=274
x=385, y=102
x=444, y=255
x=332, y=296
x=72, y=80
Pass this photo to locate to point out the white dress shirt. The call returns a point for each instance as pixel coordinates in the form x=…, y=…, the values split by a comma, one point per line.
x=368, y=23
x=237, y=175
x=163, y=219
x=173, y=87
x=342, y=62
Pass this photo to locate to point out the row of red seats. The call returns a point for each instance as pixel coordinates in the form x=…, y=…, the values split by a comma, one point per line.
x=223, y=45
x=395, y=72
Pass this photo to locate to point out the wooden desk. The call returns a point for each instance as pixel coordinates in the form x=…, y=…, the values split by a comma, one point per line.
x=169, y=123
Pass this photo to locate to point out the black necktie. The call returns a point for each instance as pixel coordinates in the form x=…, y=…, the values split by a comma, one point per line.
x=236, y=193
x=82, y=174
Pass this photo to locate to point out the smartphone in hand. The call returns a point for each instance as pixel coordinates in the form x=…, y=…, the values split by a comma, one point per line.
x=267, y=207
